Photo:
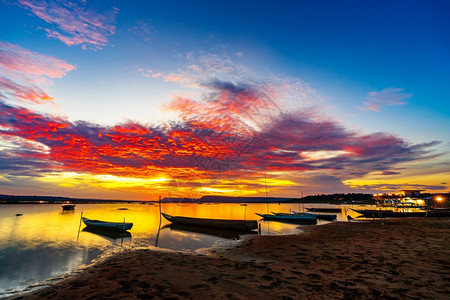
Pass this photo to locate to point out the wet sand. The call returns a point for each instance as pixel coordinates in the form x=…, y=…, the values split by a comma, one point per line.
x=401, y=259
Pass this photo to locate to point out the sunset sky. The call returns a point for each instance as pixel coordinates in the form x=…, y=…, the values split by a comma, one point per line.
x=136, y=99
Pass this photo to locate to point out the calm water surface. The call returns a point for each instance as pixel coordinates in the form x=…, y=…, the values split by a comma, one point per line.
x=46, y=242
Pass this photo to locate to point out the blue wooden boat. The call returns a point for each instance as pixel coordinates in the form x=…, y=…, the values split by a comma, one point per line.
x=114, y=226
x=286, y=217
x=327, y=217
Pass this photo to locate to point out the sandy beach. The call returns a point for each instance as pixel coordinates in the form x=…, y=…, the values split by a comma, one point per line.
x=402, y=259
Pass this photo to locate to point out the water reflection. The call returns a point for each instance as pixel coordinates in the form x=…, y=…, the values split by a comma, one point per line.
x=112, y=236
x=46, y=241
x=223, y=233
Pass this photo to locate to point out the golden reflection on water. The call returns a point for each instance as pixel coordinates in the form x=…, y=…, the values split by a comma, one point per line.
x=45, y=241
x=47, y=222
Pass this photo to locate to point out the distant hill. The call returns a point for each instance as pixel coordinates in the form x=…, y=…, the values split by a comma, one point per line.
x=225, y=199
x=336, y=198
x=52, y=199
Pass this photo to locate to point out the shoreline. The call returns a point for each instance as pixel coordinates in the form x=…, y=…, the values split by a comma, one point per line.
x=397, y=258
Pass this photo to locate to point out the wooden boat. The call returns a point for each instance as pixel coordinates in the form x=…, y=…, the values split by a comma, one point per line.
x=318, y=209
x=244, y=225
x=282, y=214
x=114, y=226
x=438, y=212
x=285, y=217
x=68, y=206
x=327, y=217
x=382, y=213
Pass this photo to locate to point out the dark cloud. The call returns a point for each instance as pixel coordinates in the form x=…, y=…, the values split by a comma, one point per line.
x=404, y=186
x=389, y=173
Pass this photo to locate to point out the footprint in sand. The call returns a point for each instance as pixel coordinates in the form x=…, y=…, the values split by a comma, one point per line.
x=314, y=276
x=199, y=286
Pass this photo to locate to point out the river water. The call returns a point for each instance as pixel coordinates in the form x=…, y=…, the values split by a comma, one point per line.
x=47, y=242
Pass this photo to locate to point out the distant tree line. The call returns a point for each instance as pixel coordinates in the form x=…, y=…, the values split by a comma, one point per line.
x=336, y=198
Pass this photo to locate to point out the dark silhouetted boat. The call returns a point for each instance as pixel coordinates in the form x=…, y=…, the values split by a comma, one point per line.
x=439, y=212
x=290, y=217
x=102, y=225
x=385, y=213
x=68, y=206
x=243, y=225
x=323, y=209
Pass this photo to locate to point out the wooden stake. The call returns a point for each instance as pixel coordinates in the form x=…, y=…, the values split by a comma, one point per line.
x=79, y=227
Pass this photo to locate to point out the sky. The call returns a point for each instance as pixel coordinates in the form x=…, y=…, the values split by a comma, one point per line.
x=140, y=99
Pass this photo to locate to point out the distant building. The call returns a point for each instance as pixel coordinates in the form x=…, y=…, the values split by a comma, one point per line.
x=404, y=198
x=411, y=193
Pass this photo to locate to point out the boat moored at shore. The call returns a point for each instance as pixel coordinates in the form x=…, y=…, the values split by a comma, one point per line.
x=244, y=225
x=103, y=225
x=286, y=217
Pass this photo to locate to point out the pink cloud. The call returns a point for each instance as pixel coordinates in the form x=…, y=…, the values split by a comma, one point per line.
x=20, y=62
x=29, y=93
x=77, y=25
x=25, y=74
x=386, y=97
x=143, y=30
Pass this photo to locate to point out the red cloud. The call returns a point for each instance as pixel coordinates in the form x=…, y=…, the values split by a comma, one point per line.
x=209, y=140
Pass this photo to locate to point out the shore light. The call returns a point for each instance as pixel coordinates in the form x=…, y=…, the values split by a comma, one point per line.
x=439, y=199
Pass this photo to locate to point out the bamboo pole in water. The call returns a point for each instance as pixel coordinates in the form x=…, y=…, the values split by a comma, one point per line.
x=160, y=220
x=123, y=230
x=79, y=226
x=267, y=200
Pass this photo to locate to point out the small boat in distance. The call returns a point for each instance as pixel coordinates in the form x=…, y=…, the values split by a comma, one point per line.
x=114, y=226
x=68, y=206
x=243, y=225
x=287, y=217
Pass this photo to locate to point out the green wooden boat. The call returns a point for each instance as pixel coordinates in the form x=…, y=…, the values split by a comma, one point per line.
x=114, y=226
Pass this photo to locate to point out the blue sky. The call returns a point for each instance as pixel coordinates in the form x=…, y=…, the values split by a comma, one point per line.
x=366, y=67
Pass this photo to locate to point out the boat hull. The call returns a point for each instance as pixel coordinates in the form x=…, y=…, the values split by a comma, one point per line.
x=327, y=217
x=102, y=225
x=317, y=209
x=243, y=225
x=293, y=218
x=373, y=213
x=68, y=206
